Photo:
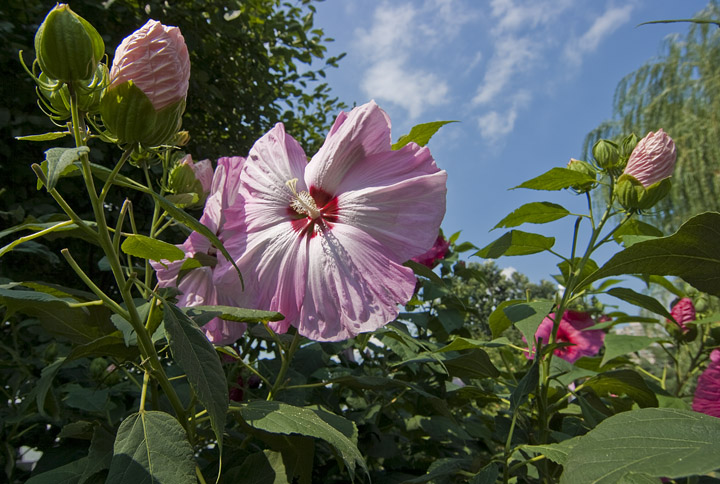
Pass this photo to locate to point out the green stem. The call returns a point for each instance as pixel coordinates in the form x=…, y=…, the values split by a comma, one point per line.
x=286, y=359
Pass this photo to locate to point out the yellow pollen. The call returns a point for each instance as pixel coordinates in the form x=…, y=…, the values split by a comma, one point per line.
x=302, y=202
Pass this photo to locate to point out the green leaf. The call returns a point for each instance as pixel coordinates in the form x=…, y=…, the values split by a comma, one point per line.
x=56, y=226
x=659, y=442
x=264, y=467
x=534, y=213
x=67, y=474
x=153, y=249
x=640, y=300
x=473, y=363
x=60, y=162
x=516, y=242
x=47, y=375
x=100, y=453
x=459, y=344
x=424, y=271
x=624, y=344
x=420, y=134
x=60, y=226
x=557, y=453
x=693, y=253
x=623, y=381
x=43, y=137
x=152, y=447
x=527, y=384
x=528, y=316
x=557, y=179
x=663, y=282
x=281, y=418
x=498, y=320
x=636, y=227
x=197, y=357
x=203, y=314
x=589, y=267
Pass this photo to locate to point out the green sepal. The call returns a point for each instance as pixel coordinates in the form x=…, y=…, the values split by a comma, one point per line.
x=130, y=116
x=67, y=46
x=632, y=195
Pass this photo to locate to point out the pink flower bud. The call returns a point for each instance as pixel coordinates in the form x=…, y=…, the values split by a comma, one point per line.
x=683, y=312
x=203, y=171
x=653, y=159
x=436, y=253
x=156, y=59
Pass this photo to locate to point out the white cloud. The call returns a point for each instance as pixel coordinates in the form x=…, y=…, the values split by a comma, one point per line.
x=603, y=26
x=496, y=125
x=413, y=90
x=512, y=56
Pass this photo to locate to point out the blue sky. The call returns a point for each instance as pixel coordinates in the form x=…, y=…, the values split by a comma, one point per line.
x=527, y=79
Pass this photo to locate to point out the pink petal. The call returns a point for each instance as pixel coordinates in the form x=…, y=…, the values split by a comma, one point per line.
x=354, y=137
x=352, y=286
x=653, y=159
x=707, y=393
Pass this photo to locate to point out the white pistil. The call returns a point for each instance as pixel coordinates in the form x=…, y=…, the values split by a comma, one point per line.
x=303, y=203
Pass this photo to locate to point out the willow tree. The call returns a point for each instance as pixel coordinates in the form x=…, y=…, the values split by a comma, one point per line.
x=678, y=91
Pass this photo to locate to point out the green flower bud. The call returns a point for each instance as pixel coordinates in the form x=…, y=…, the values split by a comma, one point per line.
x=88, y=93
x=190, y=182
x=632, y=195
x=586, y=168
x=628, y=145
x=606, y=154
x=68, y=48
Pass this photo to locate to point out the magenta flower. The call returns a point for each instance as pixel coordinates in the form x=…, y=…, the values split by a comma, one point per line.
x=571, y=330
x=653, y=159
x=436, y=253
x=156, y=59
x=210, y=284
x=683, y=312
x=707, y=393
x=324, y=241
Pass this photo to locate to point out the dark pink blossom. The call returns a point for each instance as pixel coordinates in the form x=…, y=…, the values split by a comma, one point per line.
x=707, y=393
x=653, y=159
x=436, y=253
x=324, y=242
x=683, y=312
x=571, y=330
x=211, y=284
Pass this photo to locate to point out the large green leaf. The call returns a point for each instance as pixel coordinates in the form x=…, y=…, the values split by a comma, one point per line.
x=59, y=160
x=624, y=344
x=528, y=316
x=557, y=179
x=474, y=363
x=66, y=474
x=693, y=253
x=151, y=447
x=659, y=442
x=527, y=384
x=640, y=300
x=498, y=320
x=153, y=249
x=420, y=134
x=197, y=357
x=623, y=381
x=635, y=227
x=516, y=242
x=281, y=418
x=534, y=213
x=264, y=467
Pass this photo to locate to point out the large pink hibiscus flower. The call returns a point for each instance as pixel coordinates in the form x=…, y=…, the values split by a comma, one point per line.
x=324, y=241
x=707, y=393
x=571, y=329
x=210, y=284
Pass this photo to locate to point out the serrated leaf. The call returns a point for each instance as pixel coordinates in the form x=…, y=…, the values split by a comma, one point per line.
x=199, y=360
x=151, y=447
x=623, y=381
x=528, y=316
x=281, y=418
x=693, y=253
x=153, y=249
x=43, y=137
x=534, y=213
x=659, y=442
x=640, y=300
x=557, y=179
x=420, y=134
x=624, y=344
x=59, y=160
x=516, y=242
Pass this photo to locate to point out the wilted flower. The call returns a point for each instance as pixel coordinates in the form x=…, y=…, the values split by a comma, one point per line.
x=436, y=253
x=202, y=285
x=325, y=241
x=653, y=159
x=571, y=330
x=148, y=85
x=683, y=312
x=707, y=393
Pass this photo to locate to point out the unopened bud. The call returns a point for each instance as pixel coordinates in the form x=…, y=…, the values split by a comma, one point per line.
x=585, y=168
x=606, y=154
x=68, y=48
